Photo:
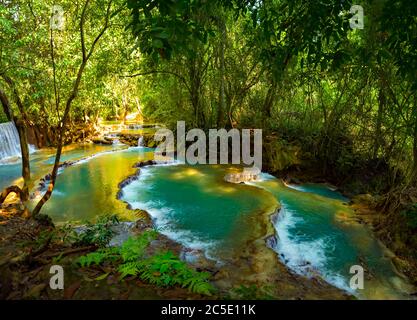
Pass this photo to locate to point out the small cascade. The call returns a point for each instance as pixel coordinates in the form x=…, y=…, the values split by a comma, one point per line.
x=9, y=141
x=141, y=143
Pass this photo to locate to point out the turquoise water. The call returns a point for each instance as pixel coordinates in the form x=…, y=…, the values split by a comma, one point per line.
x=41, y=161
x=319, y=235
x=317, y=232
x=88, y=189
x=194, y=205
x=320, y=189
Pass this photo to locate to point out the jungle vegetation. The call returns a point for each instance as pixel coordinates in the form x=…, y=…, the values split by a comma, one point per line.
x=295, y=68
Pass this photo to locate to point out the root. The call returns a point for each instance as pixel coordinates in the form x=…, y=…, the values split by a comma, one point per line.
x=11, y=189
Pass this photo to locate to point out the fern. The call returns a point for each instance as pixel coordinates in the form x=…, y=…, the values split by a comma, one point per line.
x=128, y=269
x=164, y=269
x=134, y=248
x=98, y=257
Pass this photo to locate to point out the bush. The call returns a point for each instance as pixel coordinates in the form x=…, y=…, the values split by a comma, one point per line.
x=410, y=216
x=3, y=117
x=99, y=233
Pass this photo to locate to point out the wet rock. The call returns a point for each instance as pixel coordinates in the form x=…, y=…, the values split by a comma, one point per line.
x=98, y=140
x=293, y=180
x=272, y=241
x=145, y=163
x=144, y=223
x=128, y=181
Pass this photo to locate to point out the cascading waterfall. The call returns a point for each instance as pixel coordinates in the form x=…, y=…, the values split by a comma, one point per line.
x=9, y=141
x=140, y=142
x=9, y=137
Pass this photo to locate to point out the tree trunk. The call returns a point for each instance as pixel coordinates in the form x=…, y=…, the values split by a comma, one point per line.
x=85, y=57
x=381, y=107
x=21, y=129
x=195, y=86
x=9, y=190
x=54, y=173
x=414, y=171
x=269, y=101
x=222, y=105
x=6, y=105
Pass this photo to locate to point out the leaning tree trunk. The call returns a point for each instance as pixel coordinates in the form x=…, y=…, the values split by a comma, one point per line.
x=54, y=173
x=12, y=189
x=21, y=129
x=85, y=57
x=414, y=170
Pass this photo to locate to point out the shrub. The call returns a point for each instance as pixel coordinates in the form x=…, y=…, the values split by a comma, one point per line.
x=99, y=233
x=164, y=269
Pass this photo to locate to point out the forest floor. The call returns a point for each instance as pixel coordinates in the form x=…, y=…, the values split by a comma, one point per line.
x=27, y=253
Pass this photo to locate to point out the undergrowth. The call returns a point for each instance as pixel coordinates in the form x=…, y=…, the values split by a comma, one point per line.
x=163, y=269
x=98, y=233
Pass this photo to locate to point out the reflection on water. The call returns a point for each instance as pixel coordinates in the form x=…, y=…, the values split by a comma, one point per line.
x=88, y=189
x=41, y=161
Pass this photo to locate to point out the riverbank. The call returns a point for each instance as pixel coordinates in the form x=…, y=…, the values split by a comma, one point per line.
x=256, y=264
x=29, y=247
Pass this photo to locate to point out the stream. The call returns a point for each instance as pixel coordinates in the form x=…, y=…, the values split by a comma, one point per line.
x=316, y=230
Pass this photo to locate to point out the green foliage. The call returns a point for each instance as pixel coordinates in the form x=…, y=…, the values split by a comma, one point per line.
x=410, y=215
x=45, y=236
x=167, y=26
x=162, y=269
x=98, y=257
x=134, y=248
x=165, y=269
x=98, y=233
x=3, y=117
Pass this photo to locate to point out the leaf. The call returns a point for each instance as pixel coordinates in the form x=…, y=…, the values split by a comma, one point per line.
x=102, y=277
x=157, y=43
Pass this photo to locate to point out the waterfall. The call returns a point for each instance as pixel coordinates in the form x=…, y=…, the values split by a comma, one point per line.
x=140, y=142
x=9, y=141
x=10, y=145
